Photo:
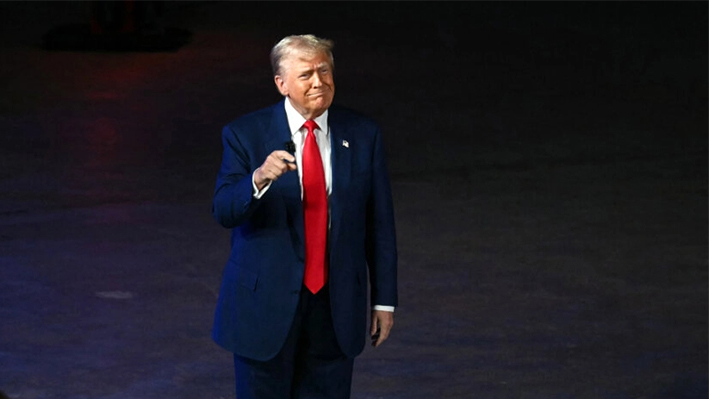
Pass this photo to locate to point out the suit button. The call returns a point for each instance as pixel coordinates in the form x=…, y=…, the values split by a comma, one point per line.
x=295, y=292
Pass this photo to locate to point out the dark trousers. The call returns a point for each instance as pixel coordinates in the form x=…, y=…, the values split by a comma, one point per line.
x=310, y=365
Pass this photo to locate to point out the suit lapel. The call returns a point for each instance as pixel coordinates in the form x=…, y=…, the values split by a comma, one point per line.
x=288, y=185
x=340, y=155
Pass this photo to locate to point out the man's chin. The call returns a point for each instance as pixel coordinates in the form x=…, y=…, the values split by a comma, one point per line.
x=321, y=105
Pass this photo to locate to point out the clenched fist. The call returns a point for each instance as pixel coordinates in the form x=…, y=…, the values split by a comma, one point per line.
x=276, y=165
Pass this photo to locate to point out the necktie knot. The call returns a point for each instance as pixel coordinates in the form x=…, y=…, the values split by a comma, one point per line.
x=311, y=125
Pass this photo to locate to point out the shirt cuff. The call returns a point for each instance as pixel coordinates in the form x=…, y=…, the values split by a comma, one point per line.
x=256, y=193
x=383, y=308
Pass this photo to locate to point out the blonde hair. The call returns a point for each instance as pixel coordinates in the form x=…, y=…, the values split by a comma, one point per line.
x=308, y=44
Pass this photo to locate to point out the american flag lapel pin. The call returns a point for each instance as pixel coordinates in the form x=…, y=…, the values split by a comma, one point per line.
x=345, y=144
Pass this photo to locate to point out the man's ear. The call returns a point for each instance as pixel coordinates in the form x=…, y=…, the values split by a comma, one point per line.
x=281, y=85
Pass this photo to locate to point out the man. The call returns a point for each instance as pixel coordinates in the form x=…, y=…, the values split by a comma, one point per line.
x=304, y=187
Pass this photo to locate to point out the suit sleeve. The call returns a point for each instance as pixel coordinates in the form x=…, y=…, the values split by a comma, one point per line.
x=381, y=233
x=233, y=201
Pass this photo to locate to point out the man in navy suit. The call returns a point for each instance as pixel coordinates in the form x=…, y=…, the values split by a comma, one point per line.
x=304, y=186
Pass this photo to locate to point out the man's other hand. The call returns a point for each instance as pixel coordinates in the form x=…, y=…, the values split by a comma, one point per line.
x=276, y=165
x=382, y=322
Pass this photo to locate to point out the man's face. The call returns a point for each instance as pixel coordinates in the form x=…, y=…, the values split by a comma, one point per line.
x=307, y=80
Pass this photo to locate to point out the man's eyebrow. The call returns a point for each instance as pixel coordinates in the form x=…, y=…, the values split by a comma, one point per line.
x=304, y=68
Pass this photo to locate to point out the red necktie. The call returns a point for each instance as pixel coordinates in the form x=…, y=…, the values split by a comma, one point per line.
x=315, y=210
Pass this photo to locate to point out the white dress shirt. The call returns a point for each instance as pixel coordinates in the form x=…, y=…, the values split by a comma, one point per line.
x=322, y=136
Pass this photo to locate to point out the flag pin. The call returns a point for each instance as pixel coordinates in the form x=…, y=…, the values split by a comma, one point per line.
x=345, y=144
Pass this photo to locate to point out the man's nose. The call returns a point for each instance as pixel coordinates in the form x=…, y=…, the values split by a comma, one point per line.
x=316, y=79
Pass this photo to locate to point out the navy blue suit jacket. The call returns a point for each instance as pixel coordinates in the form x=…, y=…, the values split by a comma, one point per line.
x=264, y=274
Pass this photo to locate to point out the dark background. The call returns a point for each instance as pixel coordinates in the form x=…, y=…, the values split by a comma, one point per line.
x=549, y=171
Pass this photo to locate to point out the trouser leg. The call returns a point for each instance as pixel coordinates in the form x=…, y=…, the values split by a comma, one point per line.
x=322, y=370
x=309, y=366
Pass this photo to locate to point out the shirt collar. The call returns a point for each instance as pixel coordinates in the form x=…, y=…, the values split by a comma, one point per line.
x=296, y=120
